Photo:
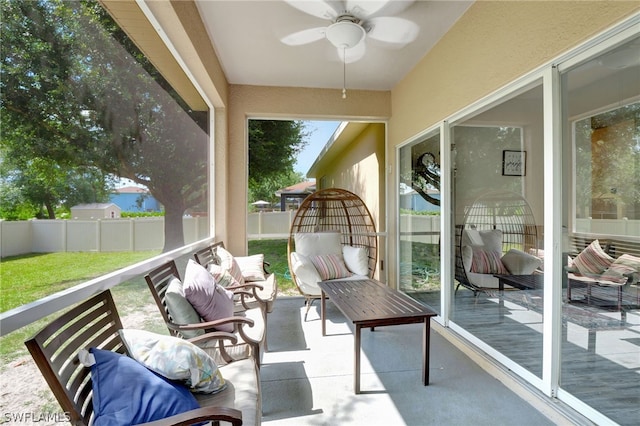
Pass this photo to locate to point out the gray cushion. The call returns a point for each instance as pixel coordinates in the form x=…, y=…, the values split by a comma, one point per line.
x=520, y=263
x=180, y=309
x=242, y=392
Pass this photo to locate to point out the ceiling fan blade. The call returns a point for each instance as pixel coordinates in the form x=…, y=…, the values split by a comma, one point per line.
x=318, y=8
x=304, y=37
x=364, y=9
x=391, y=8
x=393, y=30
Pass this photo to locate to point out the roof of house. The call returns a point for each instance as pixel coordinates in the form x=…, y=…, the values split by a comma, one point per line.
x=94, y=206
x=131, y=190
x=306, y=187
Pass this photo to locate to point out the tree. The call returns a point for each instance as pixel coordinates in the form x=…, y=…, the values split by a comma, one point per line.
x=273, y=148
x=265, y=189
x=77, y=93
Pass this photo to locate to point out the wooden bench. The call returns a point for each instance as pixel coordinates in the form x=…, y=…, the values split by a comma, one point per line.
x=250, y=336
x=262, y=292
x=95, y=323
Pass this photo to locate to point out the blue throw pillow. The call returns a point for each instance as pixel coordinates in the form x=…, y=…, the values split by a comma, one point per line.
x=126, y=393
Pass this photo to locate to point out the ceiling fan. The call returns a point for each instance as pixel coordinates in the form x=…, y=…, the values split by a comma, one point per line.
x=352, y=21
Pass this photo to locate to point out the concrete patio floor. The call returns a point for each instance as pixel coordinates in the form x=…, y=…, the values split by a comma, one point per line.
x=307, y=379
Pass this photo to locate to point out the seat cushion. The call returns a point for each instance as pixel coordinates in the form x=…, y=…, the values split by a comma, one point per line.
x=269, y=290
x=242, y=391
x=307, y=276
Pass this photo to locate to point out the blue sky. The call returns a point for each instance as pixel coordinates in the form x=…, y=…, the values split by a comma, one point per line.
x=320, y=132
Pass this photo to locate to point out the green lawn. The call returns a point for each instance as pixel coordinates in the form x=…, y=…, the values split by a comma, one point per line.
x=275, y=252
x=27, y=278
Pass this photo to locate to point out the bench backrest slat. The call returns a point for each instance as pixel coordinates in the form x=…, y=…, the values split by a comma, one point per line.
x=93, y=323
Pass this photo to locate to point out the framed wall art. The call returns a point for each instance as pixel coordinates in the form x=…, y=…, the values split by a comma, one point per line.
x=513, y=163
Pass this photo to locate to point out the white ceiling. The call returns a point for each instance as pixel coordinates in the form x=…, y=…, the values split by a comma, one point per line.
x=247, y=34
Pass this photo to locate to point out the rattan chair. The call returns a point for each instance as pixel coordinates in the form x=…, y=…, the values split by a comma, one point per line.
x=334, y=209
x=503, y=210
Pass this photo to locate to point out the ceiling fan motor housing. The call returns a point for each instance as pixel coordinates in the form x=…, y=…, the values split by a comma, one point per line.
x=346, y=32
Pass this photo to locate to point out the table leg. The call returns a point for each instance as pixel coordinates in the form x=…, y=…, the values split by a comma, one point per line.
x=425, y=351
x=322, y=313
x=356, y=375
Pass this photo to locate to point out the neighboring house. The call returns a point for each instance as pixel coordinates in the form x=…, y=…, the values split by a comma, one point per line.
x=135, y=199
x=95, y=211
x=292, y=196
x=411, y=200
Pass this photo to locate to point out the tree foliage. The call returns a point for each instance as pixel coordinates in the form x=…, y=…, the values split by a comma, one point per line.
x=273, y=148
x=79, y=101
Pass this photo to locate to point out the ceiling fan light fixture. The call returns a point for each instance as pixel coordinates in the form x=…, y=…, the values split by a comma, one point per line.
x=345, y=34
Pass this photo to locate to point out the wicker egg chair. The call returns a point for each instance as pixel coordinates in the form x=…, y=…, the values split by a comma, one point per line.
x=503, y=210
x=334, y=209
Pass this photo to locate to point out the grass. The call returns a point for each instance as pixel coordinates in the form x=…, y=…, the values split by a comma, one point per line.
x=27, y=278
x=275, y=252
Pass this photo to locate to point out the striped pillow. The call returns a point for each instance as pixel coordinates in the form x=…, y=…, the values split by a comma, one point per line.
x=487, y=262
x=330, y=266
x=228, y=262
x=623, y=269
x=592, y=260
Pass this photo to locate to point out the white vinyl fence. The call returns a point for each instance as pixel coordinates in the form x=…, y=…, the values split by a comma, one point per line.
x=137, y=234
x=269, y=225
x=103, y=235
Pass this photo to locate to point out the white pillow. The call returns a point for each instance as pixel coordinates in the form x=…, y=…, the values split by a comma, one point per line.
x=315, y=243
x=356, y=259
x=492, y=240
x=471, y=237
x=175, y=359
x=467, y=257
x=307, y=275
x=252, y=267
x=520, y=263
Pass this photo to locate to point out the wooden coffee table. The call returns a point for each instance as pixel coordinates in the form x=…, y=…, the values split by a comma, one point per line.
x=368, y=304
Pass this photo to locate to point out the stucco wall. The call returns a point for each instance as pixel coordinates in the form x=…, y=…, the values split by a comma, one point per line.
x=287, y=103
x=494, y=43
x=359, y=167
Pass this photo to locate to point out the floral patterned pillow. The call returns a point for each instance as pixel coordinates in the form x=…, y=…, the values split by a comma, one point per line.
x=175, y=359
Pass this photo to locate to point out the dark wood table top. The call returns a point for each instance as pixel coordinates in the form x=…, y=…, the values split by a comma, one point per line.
x=371, y=303
x=523, y=282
